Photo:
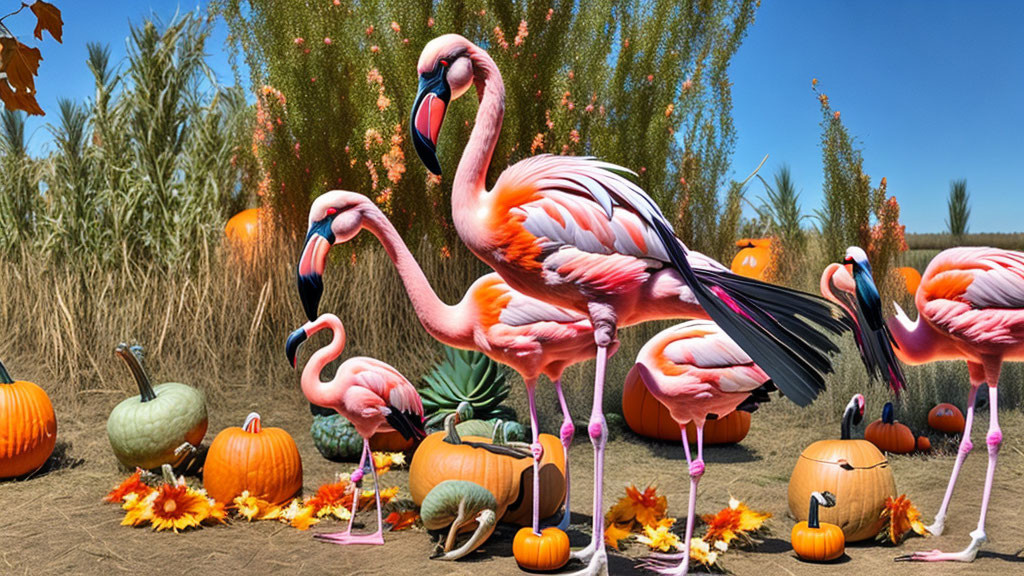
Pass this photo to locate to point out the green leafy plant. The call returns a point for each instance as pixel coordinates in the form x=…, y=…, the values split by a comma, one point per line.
x=465, y=376
x=959, y=208
x=780, y=210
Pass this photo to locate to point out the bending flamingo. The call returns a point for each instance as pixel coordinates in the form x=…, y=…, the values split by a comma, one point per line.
x=528, y=335
x=970, y=306
x=573, y=232
x=697, y=372
x=371, y=394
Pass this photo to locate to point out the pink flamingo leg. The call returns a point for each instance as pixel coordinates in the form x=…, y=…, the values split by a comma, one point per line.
x=537, y=450
x=664, y=563
x=595, y=554
x=978, y=537
x=977, y=377
x=346, y=537
x=567, y=433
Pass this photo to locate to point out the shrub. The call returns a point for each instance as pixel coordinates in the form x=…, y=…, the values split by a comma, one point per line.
x=959, y=209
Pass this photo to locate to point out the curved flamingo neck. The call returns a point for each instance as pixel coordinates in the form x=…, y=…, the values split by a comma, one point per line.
x=444, y=322
x=313, y=388
x=918, y=342
x=471, y=175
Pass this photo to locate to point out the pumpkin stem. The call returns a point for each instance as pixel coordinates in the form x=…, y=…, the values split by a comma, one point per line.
x=826, y=499
x=168, y=474
x=852, y=415
x=887, y=413
x=451, y=434
x=5, y=378
x=252, y=423
x=131, y=358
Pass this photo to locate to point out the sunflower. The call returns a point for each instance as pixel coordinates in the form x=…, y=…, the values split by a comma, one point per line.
x=177, y=507
x=900, y=517
x=131, y=485
x=645, y=507
x=734, y=521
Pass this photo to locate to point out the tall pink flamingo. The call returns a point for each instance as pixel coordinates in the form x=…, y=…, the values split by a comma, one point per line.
x=528, y=335
x=371, y=394
x=697, y=372
x=574, y=232
x=970, y=306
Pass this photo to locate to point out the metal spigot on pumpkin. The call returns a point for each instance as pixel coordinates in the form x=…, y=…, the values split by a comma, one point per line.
x=854, y=470
x=163, y=424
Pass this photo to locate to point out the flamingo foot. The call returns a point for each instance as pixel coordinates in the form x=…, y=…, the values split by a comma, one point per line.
x=966, y=555
x=667, y=564
x=597, y=566
x=936, y=528
x=347, y=538
x=585, y=554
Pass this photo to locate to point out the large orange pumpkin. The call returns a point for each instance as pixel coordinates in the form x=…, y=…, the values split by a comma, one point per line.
x=28, y=426
x=264, y=461
x=754, y=258
x=911, y=278
x=854, y=470
x=647, y=416
x=392, y=441
x=447, y=456
x=946, y=418
x=889, y=435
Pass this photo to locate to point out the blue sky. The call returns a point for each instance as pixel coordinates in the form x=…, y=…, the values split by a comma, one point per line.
x=932, y=90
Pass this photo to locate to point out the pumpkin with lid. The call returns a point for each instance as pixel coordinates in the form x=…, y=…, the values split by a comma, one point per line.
x=854, y=470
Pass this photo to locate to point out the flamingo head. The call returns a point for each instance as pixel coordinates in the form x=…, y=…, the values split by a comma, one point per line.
x=334, y=218
x=296, y=338
x=291, y=346
x=446, y=73
x=857, y=258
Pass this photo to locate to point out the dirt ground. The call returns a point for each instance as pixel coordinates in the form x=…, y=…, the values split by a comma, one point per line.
x=56, y=523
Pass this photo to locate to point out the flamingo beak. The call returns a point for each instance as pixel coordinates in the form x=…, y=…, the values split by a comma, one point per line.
x=312, y=264
x=428, y=114
x=291, y=346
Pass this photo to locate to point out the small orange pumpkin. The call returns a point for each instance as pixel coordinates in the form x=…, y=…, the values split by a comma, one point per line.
x=946, y=418
x=889, y=435
x=392, y=441
x=924, y=444
x=911, y=278
x=28, y=426
x=754, y=259
x=243, y=228
x=818, y=541
x=648, y=417
x=264, y=461
x=546, y=551
x=854, y=470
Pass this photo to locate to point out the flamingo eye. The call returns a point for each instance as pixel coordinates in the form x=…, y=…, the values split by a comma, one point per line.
x=444, y=63
x=332, y=211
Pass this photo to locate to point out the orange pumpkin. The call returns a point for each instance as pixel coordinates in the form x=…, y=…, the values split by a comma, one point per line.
x=854, y=470
x=392, y=441
x=542, y=552
x=889, y=435
x=648, y=417
x=754, y=258
x=818, y=541
x=508, y=476
x=28, y=426
x=243, y=229
x=923, y=444
x=946, y=418
x=911, y=278
x=264, y=461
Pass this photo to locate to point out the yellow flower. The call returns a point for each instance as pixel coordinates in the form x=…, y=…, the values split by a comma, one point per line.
x=137, y=510
x=736, y=521
x=299, y=516
x=176, y=507
x=702, y=552
x=659, y=537
x=384, y=461
x=253, y=508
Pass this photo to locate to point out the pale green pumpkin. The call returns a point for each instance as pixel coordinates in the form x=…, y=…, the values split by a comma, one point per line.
x=162, y=425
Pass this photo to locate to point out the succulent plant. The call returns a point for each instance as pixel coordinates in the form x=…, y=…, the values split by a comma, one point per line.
x=334, y=436
x=465, y=376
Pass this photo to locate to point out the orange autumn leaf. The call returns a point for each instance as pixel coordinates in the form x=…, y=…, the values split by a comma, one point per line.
x=332, y=499
x=900, y=517
x=645, y=507
x=402, y=520
x=25, y=101
x=48, y=18
x=20, y=63
x=734, y=521
x=617, y=531
x=131, y=485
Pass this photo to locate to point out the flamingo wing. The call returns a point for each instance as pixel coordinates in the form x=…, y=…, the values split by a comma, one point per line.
x=582, y=221
x=404, y=407
x=976, y=294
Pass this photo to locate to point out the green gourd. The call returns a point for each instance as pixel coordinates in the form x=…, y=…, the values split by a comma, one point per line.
x=162, y=425
x=460, y=506
x=335, y=437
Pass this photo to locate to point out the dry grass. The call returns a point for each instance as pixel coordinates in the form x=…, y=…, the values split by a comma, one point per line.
x=1009, y=241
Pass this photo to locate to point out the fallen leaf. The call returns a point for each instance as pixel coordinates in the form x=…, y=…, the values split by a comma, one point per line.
x=617, y=531
x=48, y=18
x=402, y=520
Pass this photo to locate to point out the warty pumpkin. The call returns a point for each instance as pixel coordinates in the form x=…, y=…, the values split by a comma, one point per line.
x=854, y=470
x=161, y=425
x=889, y=435
x=647, y=416
x=814, y=540
x=264, y=461
x=542, y=552
x=946, y=418
x=504, y=470
x=28, y=426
